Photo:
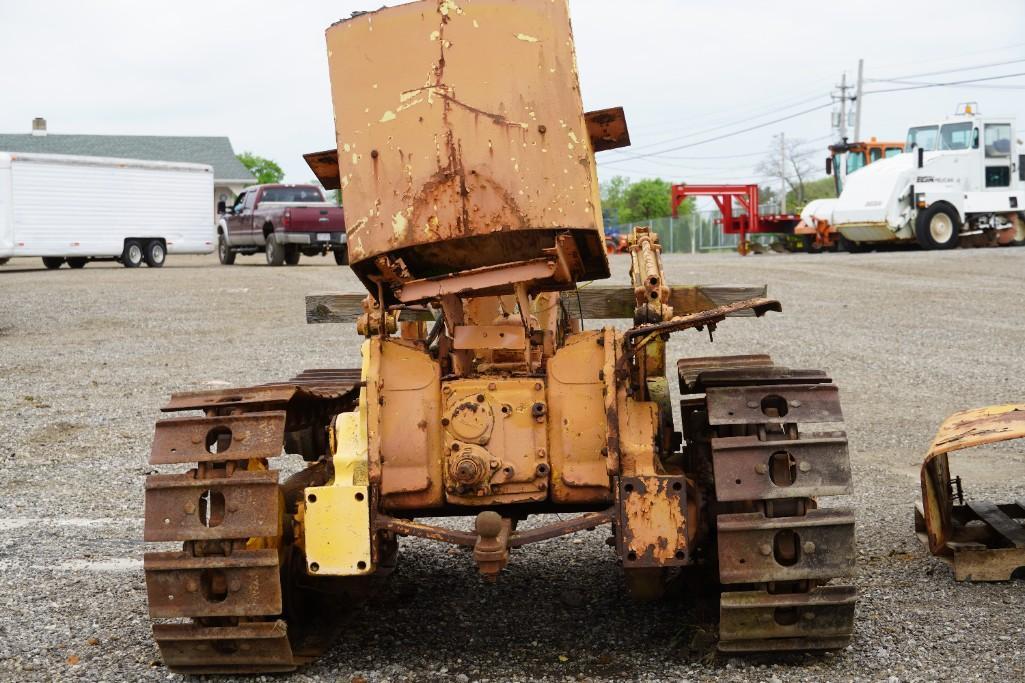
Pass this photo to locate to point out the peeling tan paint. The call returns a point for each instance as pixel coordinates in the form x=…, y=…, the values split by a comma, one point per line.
x=447, y=7
x=525, y=38
x=387, y=116
x=399, y=224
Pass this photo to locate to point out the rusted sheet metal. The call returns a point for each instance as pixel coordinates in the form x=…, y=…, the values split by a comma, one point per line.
x=243, y=583
x=749, y=469
x=180, y=507
x=253, y=646
x=325, y=167
x=607, y=129
x=637, y=337
x=689, y=369
x=756, y=549
x=445, y=152
x=758, y=377
x=994, y=549
x=824, y=612
x=652, y=527
x=772, y=404
x=208, y=439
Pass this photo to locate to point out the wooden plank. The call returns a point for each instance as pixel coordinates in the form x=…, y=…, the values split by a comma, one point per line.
x=610, y=302
x=1005, y=526
x=596, y=302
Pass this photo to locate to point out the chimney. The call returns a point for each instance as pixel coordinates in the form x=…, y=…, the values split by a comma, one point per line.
x=39, y=126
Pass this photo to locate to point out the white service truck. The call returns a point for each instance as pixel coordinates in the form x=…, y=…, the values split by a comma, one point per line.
x=962, y=177
x=75, y=209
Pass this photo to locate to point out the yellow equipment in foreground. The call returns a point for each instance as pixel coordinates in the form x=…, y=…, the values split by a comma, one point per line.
x=980, y=539
x=471, y=198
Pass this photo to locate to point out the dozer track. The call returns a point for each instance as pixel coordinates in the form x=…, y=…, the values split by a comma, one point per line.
x=776, y=549
x=222, y=603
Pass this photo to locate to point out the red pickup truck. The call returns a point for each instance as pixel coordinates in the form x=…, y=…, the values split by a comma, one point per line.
x=282, y=221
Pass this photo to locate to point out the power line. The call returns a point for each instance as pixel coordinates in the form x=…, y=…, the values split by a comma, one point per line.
x=727, y=125
x=970, y=85
x=728, y=135
x=944, y=85
x=948, y=71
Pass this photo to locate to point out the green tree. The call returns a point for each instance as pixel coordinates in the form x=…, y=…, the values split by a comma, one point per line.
x=823, y=188
x=627, y=202
x=265, y=170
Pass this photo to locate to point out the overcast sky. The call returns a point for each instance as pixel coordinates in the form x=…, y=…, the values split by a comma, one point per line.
x=257, y=71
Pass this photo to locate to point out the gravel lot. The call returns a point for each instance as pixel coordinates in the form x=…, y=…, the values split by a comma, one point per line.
x=87, y=357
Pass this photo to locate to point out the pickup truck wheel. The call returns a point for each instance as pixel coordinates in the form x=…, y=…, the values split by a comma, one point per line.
x=155, y=254
x=342, y=256
x=938, y=227
x=77, y=262
x=53, y=262
x=132, y=256
x=275, y=252
x=224, y=253
x=292, y=255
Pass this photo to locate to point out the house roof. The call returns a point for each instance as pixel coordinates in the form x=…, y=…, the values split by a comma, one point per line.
x=214, y=151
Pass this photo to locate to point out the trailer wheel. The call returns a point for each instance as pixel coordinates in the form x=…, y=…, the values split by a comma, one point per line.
x=275, y=252
x=938, y=227
x=77, y=262
x=342, y=256
x=132, y=256
x=850, y=247
x=155, y=253
x=53, y=262
x=224, y=253
x=292, y=255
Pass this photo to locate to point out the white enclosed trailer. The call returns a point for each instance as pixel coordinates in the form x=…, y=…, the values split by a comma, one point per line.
x=961, y=177
x=74, y=209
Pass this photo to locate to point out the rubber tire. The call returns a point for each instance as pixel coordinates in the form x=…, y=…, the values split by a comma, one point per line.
x=155, y=254
x=292, y=255
x=3, y=261
x=274, y=252
x=53, y=262
x=1014, y=243
x=924, y=235
x=126, y=257
x=77, y=262
x=342, y=256
x=844, y=244
x=224, y=253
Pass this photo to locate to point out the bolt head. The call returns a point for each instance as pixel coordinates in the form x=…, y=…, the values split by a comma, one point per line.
x=795, y=404
x=804, y=466
x=192, y=586
x=190, y=508
x=235, y=586
x=765, y=549
x=761, y=468
x=809, y=547
x=752, y=404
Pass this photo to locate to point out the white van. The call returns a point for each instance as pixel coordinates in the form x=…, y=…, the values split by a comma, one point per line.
x=75, y=209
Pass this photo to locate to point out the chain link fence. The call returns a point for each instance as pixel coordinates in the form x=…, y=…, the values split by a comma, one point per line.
x=695, y=233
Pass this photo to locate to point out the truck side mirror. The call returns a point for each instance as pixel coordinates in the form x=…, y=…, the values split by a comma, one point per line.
x=829, y=165
x=921, y=157
x=222, y=206
x=1021, y=167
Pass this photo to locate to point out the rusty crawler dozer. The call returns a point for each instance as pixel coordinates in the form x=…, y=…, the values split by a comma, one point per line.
x=472, y=203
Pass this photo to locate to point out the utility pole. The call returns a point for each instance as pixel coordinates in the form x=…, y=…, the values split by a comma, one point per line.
x=857, y=101
x=843, y=106
x=782, y=174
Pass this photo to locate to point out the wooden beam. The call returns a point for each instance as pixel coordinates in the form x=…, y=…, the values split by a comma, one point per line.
x=596, y=302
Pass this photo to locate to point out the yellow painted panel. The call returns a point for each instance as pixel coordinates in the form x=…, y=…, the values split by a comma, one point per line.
x=337, y=527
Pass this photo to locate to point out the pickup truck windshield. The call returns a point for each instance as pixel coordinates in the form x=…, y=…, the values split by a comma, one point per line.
x=924, y=137
x=956, y=135
x=292, y=194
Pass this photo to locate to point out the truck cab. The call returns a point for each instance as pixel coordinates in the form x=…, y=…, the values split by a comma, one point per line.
x=847, y=157
x=958, y=178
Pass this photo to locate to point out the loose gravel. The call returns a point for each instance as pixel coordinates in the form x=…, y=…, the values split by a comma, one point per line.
x=87, y=357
